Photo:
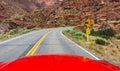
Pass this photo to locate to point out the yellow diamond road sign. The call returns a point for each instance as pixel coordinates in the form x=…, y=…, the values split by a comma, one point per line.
x=88, y=22
x=88, y=31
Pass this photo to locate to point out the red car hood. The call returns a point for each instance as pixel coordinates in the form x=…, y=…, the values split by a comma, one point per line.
x=57, y=63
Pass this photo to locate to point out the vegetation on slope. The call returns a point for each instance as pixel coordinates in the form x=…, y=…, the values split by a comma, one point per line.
x=14, y=32
x=107, y=48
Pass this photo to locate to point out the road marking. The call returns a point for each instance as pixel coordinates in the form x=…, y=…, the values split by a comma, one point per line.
x=81, y=47
x=17, y=37
x=35, y=47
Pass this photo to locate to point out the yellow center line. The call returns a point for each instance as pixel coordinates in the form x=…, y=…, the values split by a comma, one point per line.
x=35, y=47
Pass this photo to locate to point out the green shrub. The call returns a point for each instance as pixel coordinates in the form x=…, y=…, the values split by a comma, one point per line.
x=116, y=23
x=67, y=31
x=100, y=34
x=23, y=31
x=118, y=37
x=35, y=29
x=72, y=32
x=117, y=19
x=101, y=41
x=13, y=31
x=77, y=34
x=81, y=38
x=95, y=33
x=2, y=36
x=106, y=30
x=105, y=37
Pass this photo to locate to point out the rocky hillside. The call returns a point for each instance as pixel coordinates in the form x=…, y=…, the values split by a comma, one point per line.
x=54, y=13
x=100, y=11
x=9, y=8
x=16, y=11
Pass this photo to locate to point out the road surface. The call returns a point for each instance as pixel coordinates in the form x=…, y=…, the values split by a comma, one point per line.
x=47, y=41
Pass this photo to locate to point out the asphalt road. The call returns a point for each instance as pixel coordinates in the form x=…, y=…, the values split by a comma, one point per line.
x=54, y=43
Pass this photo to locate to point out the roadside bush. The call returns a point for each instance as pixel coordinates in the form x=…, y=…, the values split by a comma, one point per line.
x=118, y=37
x=116, y=23
x=84, y=31
x=100, y=34
x=23, y=31
x=95, y=33
x=76, y=34
x=117, y=19
x=67, y=30
x=35, y=29
x=2, y=36
x=105, y=37
x=13, y=31
x=101, y=41
x=72, y=32
x=106, y=30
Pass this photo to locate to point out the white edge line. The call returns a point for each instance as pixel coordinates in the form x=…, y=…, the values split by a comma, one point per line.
x=80, y=47
x=17, y=37
x=20, y=36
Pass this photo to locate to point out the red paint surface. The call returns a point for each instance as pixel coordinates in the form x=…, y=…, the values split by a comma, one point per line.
x=57, y=63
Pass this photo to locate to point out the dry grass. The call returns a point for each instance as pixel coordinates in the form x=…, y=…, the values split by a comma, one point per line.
x=110, y=52
x=13, y=33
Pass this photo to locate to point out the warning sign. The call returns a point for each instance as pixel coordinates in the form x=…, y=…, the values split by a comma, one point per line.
x=88, y=22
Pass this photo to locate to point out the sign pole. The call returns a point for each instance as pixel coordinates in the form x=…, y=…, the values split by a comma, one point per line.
x=88, y=33
x=88, y=24
x=87, y=38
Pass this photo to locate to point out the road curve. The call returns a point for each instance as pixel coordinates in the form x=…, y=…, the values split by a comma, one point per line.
x=54, y=43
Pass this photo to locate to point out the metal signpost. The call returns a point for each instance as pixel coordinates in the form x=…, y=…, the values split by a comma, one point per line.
x=88, y=23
